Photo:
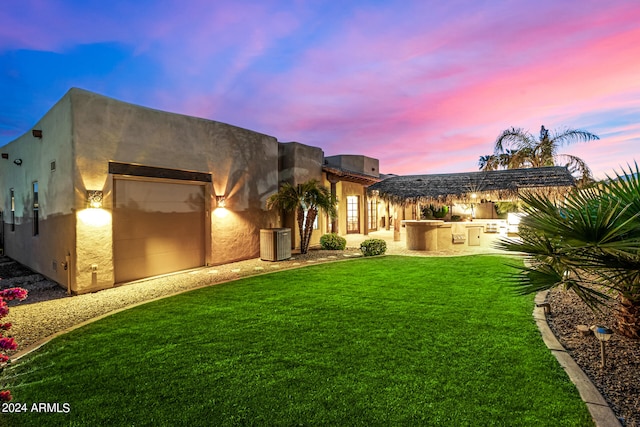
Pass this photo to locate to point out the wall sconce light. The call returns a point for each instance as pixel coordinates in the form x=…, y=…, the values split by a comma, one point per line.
x=221, y=202
x=37, y=133
x=603, y=334
x=18, y=162
x=5, y=156
x=94, y=199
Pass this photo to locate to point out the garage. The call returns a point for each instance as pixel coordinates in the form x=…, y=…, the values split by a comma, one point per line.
x=158, y=227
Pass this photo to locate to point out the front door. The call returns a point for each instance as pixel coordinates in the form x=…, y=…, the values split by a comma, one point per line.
x=353, y=214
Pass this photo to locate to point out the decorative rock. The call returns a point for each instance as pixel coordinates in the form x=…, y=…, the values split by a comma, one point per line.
x=584, y=330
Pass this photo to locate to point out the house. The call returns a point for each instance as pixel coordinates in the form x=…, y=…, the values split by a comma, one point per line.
x=101, y=192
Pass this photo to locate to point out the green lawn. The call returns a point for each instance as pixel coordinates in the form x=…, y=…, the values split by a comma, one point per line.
x=374, y=341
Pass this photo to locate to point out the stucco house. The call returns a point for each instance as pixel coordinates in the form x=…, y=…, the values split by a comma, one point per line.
x=101, y=192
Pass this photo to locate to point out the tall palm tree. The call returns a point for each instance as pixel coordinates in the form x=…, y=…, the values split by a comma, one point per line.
x=518, y=148
x=305, y=200
x=589, y=243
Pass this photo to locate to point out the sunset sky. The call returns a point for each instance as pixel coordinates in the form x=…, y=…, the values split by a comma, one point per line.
x=424, y=86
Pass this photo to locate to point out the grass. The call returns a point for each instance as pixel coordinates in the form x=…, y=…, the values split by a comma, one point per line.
x=383, y=341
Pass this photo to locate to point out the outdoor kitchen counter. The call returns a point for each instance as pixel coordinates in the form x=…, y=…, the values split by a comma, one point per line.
x=422, y=235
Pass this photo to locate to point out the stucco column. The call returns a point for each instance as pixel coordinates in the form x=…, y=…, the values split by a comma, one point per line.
x=333, y=180
x=387, y=226
x=396, y=223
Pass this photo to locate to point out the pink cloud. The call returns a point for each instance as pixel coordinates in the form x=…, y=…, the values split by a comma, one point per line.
x=379, y=100
x=429, y=95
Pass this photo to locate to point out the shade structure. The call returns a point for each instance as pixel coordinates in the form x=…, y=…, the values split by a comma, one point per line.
x=488, y=185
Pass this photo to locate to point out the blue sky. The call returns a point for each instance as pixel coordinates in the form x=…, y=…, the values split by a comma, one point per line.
x=425, y=86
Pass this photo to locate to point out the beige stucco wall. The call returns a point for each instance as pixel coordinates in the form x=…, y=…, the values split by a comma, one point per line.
x=243, y=165
x=47, y=251
x=299, y=163
x=355, y=163
x=343, y=190
x=82, y=133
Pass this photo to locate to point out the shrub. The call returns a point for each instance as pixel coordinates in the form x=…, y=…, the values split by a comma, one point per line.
x=371, y=247
x=441, y=212
x=7, y=343
x=432, y=211
x=333, y=242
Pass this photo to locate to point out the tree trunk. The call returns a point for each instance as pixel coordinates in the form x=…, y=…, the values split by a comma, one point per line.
x=308, y=229
x=628, y=317
x=300, y=219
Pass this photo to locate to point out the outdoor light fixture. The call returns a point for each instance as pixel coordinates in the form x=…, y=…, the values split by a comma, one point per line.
x=221, y=207
x=18, y=162
x=94, y=199
x=221, y=202
x=37, y=133
x=603, y=334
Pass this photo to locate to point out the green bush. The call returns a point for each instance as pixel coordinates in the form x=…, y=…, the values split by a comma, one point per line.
x=371, y=247
x=503, y=208
x=333, y=242
x=441, y=212
x=432, y=211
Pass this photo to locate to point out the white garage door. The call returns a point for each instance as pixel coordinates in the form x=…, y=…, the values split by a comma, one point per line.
x=158, y=228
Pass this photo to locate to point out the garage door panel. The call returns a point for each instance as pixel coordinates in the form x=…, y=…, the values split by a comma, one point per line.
x=158, y=228
x=147, y=224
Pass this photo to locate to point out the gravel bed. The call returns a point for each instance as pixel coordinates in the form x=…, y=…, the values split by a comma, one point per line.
x=619, y=381
x=49, y=310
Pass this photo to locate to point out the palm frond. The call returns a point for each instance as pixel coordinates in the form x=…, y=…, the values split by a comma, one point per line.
x=513, y=138
x=570, y=136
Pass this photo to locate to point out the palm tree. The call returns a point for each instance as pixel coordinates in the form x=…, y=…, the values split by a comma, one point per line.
x=589, y=243
x=507, y=160
x=518, y=148
x=305, y=200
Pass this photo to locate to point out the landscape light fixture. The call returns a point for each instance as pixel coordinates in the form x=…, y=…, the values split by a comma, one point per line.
x=94, y=199
x=18, y=162
x=37, y=133
x=603, y=334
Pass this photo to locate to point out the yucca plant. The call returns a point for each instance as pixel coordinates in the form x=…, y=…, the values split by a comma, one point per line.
x=588, y=243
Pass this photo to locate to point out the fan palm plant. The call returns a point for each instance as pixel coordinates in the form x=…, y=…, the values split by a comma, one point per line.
x=517, y=148
x=305, y=200
x=589, y=243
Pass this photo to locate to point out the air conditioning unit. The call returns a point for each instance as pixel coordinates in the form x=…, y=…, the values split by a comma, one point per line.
x=275, y=244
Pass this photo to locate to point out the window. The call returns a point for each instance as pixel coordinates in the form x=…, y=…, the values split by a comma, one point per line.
x=373, y=214
x=36, y=226
x=353, y=216
x=13, y=210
